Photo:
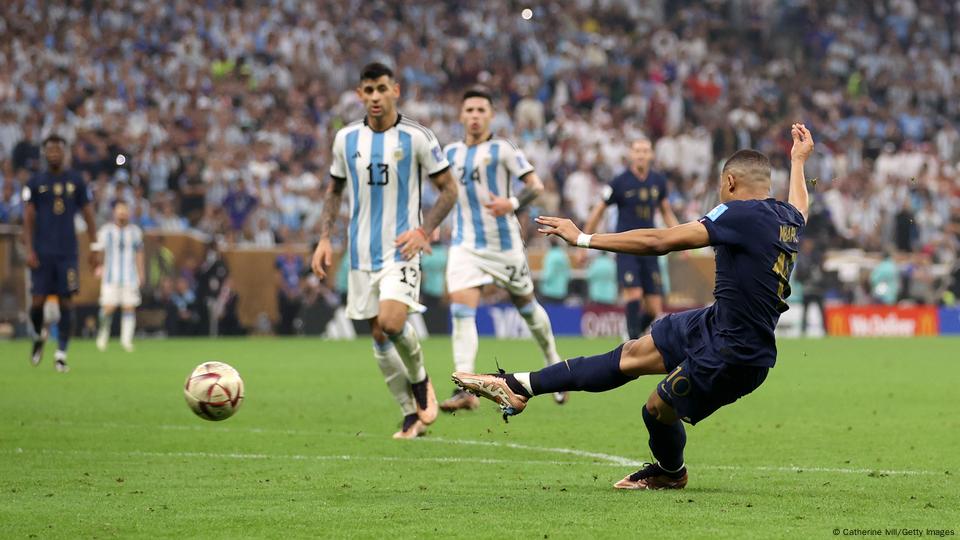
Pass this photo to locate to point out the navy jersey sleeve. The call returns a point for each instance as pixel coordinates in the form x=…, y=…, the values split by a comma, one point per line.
x=729, y=223
x=610, y=193
x=663, y=189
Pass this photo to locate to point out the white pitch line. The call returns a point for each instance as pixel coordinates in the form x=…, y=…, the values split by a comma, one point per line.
x=609, y=459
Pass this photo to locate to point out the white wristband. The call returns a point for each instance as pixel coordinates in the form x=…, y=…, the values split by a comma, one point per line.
x=584, y=240
x=515, y=202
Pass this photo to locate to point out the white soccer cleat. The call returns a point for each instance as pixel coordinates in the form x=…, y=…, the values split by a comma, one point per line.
x=102, y=343
x=127, y=347
x=560, y=397
x=60, y=362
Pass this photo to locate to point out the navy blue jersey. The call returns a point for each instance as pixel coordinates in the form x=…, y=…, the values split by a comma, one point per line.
x=57, y=198
x=637, y=200
x=756, y=244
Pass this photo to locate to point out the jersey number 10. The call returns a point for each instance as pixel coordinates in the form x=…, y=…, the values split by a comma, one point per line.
x=782, y=268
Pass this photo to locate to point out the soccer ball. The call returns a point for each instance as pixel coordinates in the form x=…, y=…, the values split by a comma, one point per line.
x=214, y=391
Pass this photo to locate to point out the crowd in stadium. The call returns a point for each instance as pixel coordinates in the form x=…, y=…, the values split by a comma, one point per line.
x=218, y=116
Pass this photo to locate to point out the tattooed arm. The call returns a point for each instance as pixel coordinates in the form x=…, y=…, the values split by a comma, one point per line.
x=415, y=240
x=323, y=255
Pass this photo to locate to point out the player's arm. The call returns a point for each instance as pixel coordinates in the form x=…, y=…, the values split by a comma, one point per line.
x=29, y=222
x=323, y=255
x=517, y=165
x=638, y=241
x=593, y=220
x=431, y=158
x=90, y=219
x=802, y=148
x=667, y=212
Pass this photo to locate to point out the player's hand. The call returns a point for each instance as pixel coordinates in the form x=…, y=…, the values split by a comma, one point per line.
x=802, y=142
x=413, y=242
x=562, y=227
x=93, y=259
x=32, y=260
x=322, y=258
x=499, y=206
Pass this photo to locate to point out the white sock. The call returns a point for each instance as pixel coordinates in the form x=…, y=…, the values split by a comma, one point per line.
x=465, y=340
x=524, y=380
x=539, y=323
x=128, y=325
x=103, y=333
x=394, y=374
x=408, y=345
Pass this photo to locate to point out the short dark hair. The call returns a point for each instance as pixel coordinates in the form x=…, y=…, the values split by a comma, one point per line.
x=477, y=91
x=750, y=161
x=375, y=70
x=54, y=138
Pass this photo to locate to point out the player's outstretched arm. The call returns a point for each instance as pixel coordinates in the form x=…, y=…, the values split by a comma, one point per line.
x=802, y=148
x=416, y=240
x=29, y=221
x=638, y=241
x=323, y=255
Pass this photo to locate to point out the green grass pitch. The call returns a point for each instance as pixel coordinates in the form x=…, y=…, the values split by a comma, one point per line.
x=843, y=434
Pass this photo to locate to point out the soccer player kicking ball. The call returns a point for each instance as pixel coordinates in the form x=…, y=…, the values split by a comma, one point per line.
x=121, y=275
x=487, y=247
x=379, y=161
x=51, y=200
x=713, y=355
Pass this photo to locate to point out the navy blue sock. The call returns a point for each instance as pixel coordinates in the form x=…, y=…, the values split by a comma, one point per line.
x=590, y=374
x=666, y=441
x=64, y=328
x=633, y=319
x=646, y=319
x=36, y=318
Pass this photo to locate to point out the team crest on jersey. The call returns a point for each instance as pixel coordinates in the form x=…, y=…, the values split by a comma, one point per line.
x=70, y=188
x=654, y=192
x=43, y=189
x=643, y=194
x=398, y=154
x=486, y=160
x=58, y=189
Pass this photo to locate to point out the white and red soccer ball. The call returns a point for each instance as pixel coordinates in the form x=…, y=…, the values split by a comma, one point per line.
x=214, y=391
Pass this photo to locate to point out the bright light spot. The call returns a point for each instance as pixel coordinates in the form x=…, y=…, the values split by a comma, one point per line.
x=121, y=159
x=527, y=14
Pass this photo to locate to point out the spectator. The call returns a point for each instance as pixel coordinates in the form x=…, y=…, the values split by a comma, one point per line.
x=290, y=268
x=183, y=317
x=602, y=279
x=809, y=273
x=10, y=207
x=555, y=275
x=885, y=281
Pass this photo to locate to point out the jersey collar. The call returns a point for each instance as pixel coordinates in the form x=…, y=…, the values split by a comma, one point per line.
x=395, y=124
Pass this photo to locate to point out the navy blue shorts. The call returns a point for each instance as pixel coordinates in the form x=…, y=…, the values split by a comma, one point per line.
x=698, y=383
x=636, y=271
x=57, y=274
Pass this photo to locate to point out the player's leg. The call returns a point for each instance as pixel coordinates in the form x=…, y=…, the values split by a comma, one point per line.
x=540, y=327
x=128, y=320
x=628, y=273
x=392, y=320
x=667, y=440
x=463, y=309
x=64, y=330
x=128, y=326
x=106, y=321
x=36, y=322
x=589, y=374
x=362, y=304
x=395, y=375
x=651, y=293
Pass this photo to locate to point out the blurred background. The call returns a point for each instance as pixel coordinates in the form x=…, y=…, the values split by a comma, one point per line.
x=214, y=120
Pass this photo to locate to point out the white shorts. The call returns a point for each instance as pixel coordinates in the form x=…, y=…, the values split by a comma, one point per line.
x=468, y=268
x=119, y=295
x=398, y=281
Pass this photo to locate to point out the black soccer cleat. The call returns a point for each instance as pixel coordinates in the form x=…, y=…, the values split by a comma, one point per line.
x=37, y=354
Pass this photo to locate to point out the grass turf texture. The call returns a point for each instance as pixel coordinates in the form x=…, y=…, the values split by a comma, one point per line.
x=111, y=450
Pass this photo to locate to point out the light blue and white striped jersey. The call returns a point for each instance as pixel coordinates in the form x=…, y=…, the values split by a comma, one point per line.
x=383, y=172
x=120, y=247
x=483, y=170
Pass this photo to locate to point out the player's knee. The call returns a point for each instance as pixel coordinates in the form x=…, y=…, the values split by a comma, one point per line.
x=660, y=410
x=391, y=325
